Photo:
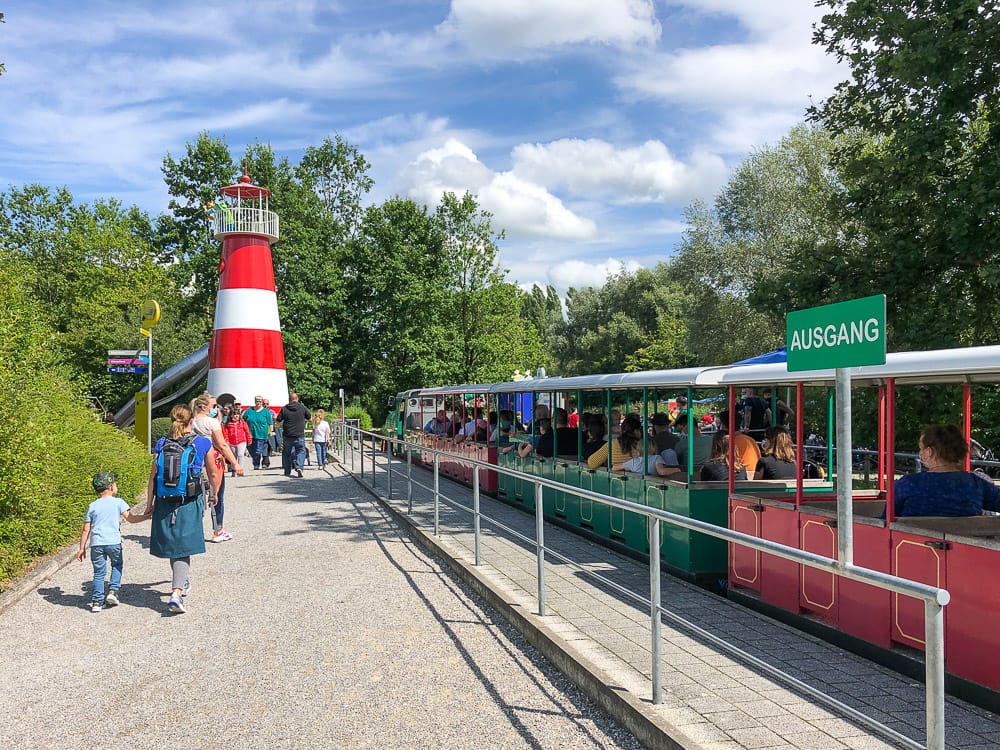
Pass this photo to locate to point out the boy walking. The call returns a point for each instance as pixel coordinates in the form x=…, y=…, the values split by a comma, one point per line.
x=101, y=527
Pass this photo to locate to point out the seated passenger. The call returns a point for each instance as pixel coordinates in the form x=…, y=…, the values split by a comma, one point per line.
x=702, y=443
x=596, y=427
x=542, y=427
x=946, y=488
x=475, y=430
x=662, y=464
x=563, y=438
x=455, y=425
x=663, y=438
x=716, y=469
x=627, y=445
x=438, y=425
x=778, y=459
x=541, y=412
x=502, y=428
x=615, y=425
x=747, y=449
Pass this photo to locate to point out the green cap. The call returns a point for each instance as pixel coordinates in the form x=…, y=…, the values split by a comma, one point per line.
x=103, y=481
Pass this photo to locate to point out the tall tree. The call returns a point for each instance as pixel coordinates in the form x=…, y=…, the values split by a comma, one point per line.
x=925, y=184
x=184, y=238
x=338, y=173
x=471, y=267
x=400, y=338
x=90, y=266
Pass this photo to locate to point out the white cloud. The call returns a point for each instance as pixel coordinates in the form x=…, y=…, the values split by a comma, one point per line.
x=762, y=74
x=645, y=173
x=564, y=274
x=518, y=206
x=529, y=209
x=512, y=25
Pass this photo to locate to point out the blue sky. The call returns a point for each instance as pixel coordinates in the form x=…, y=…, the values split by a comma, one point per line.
x=585, y=126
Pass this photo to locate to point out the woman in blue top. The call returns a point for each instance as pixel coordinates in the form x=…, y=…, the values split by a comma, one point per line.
x=177, y=533
x=946, y=488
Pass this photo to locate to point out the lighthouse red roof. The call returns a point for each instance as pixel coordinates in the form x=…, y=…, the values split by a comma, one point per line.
x=244, y=189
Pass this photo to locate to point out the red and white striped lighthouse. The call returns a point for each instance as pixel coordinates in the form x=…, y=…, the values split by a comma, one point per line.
x=246, y=357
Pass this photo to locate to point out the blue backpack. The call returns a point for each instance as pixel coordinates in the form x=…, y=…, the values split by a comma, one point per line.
x=178, y=469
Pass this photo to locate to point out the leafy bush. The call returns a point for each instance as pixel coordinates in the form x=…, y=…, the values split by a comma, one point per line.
x=50, y=443
x=356, y=412
x=160, y=428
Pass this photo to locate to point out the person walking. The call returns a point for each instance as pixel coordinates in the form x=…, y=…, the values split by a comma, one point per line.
x=237, y=435
x=176, y=533
x=102, y=527
x=321, y=437
x=260, y=422
x=293, y=417
x=206, y=424
x=273, y=439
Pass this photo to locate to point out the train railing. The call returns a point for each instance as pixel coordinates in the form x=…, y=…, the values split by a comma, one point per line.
x=935, y=599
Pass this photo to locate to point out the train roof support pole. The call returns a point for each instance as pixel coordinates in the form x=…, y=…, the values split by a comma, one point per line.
x=845, y=469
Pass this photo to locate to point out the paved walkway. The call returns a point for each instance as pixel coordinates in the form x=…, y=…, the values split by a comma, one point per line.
x=321, y=625
x=711, y=700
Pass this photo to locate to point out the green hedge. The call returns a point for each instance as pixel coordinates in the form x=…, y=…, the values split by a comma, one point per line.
x=50, y=443
x=358, y=413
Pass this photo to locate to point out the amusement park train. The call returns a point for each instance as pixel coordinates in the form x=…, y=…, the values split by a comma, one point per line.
x=959, y=554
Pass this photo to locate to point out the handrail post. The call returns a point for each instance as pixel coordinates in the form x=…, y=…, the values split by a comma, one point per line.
x=361, y=443
x=475, y=513
x=540, y=547
x=409, y=479
x=388, y=468
x=656, y=622
x=934, y=673
x=437, y=495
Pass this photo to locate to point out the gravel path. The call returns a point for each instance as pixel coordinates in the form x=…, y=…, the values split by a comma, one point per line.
x=320, y=625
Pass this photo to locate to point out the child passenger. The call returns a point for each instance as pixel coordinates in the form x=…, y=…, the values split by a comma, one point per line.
x=101, y=527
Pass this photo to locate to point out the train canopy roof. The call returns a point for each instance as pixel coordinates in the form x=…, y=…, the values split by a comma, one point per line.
x=615, y=381
x=979, y=364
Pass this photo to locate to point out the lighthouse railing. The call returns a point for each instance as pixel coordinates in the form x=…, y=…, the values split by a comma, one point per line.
x=244, y=220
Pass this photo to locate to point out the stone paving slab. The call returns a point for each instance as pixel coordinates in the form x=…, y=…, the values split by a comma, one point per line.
x=710, y=699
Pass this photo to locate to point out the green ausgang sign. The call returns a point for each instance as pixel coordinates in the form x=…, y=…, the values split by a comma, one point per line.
x=845, y=334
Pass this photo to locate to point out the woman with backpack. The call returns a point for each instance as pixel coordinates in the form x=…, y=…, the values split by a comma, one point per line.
x=176, y=499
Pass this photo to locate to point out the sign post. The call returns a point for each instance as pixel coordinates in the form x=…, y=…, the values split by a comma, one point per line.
x=841, y=335
x=142, y=429
x=150, y=312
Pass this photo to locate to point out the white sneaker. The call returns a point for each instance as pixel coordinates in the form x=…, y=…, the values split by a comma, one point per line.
x=111, y=600
x=176, y=605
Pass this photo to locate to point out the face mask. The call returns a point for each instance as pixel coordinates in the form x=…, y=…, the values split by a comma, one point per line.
x=505, y=425
x=213, y=412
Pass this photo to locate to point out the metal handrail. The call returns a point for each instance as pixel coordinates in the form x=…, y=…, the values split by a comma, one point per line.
x=934, y=598
x=244, y=220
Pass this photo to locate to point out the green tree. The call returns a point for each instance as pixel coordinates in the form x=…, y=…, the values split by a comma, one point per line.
x=396, y=298
x=338, y=173
x=90, y=267
x=481, y=302
x=184, y=235
x=632, y=322
x=924, y=185
x=542, y=308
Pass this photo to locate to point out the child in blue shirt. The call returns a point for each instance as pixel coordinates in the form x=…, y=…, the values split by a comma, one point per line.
x=101, y=527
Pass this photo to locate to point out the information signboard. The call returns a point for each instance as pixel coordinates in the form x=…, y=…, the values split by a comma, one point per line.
x=844, y=334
